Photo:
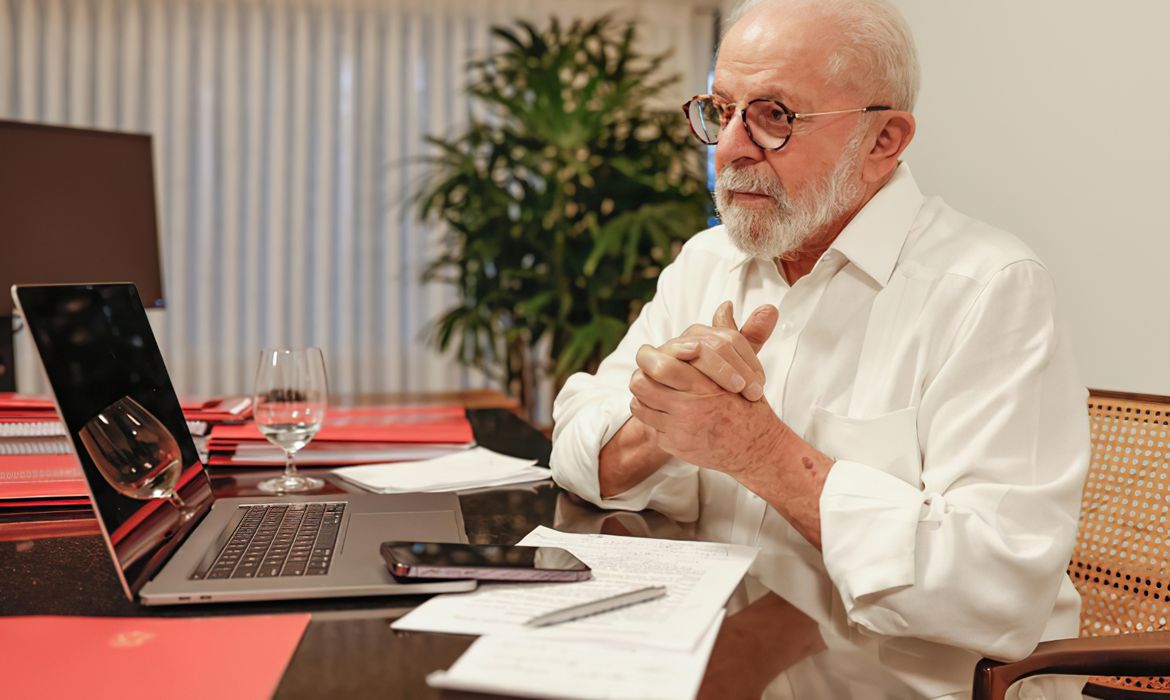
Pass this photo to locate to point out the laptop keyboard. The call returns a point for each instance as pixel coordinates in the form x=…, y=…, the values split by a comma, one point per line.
x=293, y=539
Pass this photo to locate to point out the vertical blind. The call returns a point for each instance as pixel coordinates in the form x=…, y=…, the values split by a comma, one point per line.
x=288, y=136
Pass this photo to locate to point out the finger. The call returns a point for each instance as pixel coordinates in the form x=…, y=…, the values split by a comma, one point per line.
x=685, y=349
x=657, y=420
x=725, y=316
x=656, y=395
x=674, y=373
x=759, y=326
x=721, y=363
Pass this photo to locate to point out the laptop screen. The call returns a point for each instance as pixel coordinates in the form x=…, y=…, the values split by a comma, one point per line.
x=117, y=402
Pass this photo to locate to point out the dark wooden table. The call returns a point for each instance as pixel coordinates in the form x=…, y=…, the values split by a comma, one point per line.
x=55, y=566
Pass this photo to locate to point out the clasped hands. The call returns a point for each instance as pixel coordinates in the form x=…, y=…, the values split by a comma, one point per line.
x=703, y=393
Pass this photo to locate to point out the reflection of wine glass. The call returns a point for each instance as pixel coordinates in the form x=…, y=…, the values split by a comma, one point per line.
x=291, y=395
x=135, y=452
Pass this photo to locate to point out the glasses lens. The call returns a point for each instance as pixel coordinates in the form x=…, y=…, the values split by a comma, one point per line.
x=770, y=123
x=704, y=116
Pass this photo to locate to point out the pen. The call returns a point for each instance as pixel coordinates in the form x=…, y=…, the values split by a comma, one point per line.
x=594, y=607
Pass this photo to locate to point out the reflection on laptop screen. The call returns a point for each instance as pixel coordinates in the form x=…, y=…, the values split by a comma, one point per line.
x=120, y=409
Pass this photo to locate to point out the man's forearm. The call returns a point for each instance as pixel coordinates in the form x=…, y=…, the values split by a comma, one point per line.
x=790, y=475
x=630, y=456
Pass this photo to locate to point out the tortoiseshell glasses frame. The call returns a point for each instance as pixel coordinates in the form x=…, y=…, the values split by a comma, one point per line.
x=768, y=123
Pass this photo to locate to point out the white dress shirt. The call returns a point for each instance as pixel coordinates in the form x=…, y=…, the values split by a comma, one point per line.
x=923, y=353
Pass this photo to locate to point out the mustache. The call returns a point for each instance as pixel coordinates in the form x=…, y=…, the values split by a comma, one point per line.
x=750, y=180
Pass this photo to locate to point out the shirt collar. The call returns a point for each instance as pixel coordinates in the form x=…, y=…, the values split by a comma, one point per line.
x=873, y=239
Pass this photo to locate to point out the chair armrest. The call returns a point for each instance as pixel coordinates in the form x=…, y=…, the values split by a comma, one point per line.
x=1143, y=654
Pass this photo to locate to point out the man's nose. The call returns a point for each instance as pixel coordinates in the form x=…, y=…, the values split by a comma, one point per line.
x=735, y=144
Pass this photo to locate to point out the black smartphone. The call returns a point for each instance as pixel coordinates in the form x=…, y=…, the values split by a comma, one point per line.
x=485, y=562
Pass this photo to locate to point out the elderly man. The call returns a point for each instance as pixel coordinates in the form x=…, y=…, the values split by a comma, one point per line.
x=897, y=422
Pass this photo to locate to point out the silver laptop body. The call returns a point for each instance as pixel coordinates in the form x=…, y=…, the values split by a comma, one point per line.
x=97, y=347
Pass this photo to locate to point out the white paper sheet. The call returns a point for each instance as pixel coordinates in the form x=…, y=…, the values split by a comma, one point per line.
x=529, y=666
x=699, y=577
x=467, y=469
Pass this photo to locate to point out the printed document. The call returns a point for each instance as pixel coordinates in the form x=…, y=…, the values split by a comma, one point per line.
x=528, y=666
x=699, y=578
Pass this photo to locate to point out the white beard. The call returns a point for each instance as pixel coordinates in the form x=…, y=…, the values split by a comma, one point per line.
x=769, y=233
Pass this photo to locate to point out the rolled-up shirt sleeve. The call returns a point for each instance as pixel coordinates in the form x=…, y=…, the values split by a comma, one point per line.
x=591, y=408
x=975, y=553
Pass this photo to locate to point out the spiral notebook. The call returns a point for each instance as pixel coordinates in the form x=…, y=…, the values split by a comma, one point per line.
x=55, y=429
x=35, y=445
x=29, y=478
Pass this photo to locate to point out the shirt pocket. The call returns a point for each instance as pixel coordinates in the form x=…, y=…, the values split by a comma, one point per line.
x=888, y=442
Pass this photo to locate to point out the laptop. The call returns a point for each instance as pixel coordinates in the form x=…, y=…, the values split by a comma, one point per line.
x=99, y=351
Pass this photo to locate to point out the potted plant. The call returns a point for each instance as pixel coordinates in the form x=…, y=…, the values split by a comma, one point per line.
x=561, y=206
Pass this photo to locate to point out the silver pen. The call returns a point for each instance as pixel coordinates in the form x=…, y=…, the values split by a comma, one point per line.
x=601, y=605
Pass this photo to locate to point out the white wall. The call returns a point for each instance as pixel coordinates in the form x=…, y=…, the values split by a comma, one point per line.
x=1051, y=119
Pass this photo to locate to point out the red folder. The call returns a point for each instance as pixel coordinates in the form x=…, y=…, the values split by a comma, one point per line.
x=14, y=402
x=27, y=407
x=26, y=478
x=218, y=410
x=134, y=657
x=413, y=424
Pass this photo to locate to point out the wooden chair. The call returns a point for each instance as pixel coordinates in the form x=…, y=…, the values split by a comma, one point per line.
x=1121, y=563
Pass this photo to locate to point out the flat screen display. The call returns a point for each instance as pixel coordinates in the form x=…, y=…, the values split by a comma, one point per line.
x=77, y=205
x=119, y=406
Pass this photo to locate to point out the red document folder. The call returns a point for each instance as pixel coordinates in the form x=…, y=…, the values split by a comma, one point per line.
x=422, y=424
x=132, y=657
x=39, y=479
x=27, y=402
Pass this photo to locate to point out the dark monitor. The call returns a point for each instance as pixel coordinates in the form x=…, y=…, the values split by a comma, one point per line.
x=77, y=205
x=101, y=359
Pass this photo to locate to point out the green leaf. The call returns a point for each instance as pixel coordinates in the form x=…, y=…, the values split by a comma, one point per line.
x=552, y=207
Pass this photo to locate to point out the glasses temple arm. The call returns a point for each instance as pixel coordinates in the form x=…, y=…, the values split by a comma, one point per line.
x=872, y=108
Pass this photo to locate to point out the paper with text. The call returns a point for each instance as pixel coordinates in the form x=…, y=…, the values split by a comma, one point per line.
x=528, y=666
x=699, y=577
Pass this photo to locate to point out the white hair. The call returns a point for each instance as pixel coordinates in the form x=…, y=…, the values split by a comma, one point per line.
x=876, y=52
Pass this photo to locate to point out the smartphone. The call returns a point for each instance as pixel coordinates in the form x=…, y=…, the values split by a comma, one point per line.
x=485, y=562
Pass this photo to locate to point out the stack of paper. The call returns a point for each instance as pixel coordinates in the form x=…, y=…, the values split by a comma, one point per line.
x=655, y=649
x=474, y=468
x=528, y=666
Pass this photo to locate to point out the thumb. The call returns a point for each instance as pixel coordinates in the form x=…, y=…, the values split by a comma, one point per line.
x=725, y=316
x=759, y=326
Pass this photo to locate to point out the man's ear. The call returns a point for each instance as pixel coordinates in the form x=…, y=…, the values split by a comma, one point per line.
x=896, y=132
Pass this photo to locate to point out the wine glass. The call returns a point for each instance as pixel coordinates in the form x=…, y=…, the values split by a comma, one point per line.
x=291, y=395
x=135, y=453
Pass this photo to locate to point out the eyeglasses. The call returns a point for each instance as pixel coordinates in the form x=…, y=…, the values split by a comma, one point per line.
x=768, y=123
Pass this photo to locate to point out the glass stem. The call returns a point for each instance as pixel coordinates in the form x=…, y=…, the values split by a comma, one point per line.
x=179, y=504
x=290, y=469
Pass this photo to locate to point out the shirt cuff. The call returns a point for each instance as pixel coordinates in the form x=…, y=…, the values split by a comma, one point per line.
x=671, y=489
x=869, y=526
x=576, y=449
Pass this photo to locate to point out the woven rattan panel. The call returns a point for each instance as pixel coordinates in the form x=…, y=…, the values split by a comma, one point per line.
x=1121, y=564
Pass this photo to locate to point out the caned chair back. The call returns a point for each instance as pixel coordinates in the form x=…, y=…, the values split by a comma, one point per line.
x=1121, y=563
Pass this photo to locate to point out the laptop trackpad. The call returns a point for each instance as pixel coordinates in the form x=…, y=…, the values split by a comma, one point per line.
x=367, y=531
